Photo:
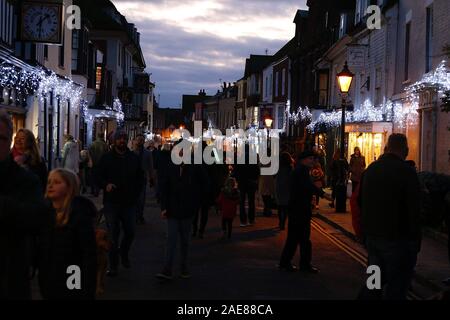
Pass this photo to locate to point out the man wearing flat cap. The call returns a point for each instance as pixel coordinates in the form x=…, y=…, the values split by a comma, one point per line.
x=120, y=176
x=302, y=190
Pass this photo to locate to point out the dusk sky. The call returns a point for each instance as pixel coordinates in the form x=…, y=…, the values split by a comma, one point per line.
x=190, y=45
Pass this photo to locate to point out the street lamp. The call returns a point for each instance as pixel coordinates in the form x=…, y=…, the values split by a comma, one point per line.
x=268, y=121
x=344, y=79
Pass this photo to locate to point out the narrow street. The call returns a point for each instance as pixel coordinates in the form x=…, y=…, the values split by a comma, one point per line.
x=243, y=268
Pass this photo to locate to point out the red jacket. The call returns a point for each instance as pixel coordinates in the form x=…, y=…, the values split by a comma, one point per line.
x=356, y=212
x=228, y=205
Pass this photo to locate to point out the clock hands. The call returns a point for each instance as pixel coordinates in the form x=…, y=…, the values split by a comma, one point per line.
x=41, y=20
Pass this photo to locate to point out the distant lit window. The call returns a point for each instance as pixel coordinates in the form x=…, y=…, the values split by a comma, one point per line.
x=98, y=79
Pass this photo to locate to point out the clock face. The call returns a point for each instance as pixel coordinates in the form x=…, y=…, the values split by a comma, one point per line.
x=41, y=22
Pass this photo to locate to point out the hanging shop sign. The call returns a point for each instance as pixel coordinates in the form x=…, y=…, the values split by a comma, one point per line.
x=356, y=56
x=126, y=96
x=142, y=83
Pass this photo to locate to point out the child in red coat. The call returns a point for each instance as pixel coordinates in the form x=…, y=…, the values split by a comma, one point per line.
x=228, y=201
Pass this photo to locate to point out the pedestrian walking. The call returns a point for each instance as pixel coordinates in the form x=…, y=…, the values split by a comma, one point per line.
x=247, y=176
x=68, y=241
x=120, y=176
x=146, y=161
x=85, y=168
x=282, y=181
x=217, y=174
x=228, y=201
x=390, y=209
x=339, y=178
x=22, y=216
x=267, y=191
x=302, y=190
x=182, y=187
x=355, y=210
x=96, y=151
x=318, y=178
x=71, y=154
x=162, y=160
x=26, y=153
x=334, y=175
x=357, y=166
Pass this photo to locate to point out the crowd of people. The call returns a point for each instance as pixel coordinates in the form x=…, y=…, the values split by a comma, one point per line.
x=47, y=225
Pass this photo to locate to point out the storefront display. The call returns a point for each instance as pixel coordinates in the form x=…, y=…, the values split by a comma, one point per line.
x=371, y=139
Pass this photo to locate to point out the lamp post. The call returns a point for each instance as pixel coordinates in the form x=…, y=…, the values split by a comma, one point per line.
x=344, y=79
x=268, y=120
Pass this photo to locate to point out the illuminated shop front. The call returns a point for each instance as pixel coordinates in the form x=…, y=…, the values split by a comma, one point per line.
x=370, y=137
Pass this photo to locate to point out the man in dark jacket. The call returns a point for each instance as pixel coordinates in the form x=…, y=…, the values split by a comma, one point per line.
x=390, y=207
x=182, y=189
x=120, y=176
x=247, y=176
x=22, y=215
x=302, y=190
x=146, y=160
x=96, y=151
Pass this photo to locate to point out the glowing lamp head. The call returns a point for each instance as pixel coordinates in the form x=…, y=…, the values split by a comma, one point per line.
x=345, y=78
x=268, y=121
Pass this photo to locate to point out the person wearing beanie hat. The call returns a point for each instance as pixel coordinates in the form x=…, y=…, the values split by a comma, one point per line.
x=302, y=190
x=120, y=176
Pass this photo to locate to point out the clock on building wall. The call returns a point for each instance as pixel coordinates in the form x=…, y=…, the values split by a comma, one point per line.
x=42, y=22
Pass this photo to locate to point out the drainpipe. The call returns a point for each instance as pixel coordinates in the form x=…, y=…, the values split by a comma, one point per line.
x=434, y=132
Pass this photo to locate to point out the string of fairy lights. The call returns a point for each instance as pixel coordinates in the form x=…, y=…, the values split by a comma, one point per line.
x=42, y=83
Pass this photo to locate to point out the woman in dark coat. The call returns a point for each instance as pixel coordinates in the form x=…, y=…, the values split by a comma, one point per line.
x=26, y=154
x=68, y=241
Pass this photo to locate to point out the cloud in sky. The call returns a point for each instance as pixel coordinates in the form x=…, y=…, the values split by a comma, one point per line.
x=189, y=45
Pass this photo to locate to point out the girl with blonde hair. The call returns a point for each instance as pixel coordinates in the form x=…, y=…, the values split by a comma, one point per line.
x=69, y=239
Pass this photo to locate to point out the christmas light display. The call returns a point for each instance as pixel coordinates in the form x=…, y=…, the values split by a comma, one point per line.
x=40, y=82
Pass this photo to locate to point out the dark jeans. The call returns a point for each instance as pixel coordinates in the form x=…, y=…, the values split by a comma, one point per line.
x=203, y=212
x=118, y=216
x=299, y=233
x=250, y=193
x=396, y=260
x=282, y=215
x=227, y=226
x=95, y=188
x=141, y=203
x=267, y=200
x=177, y=228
